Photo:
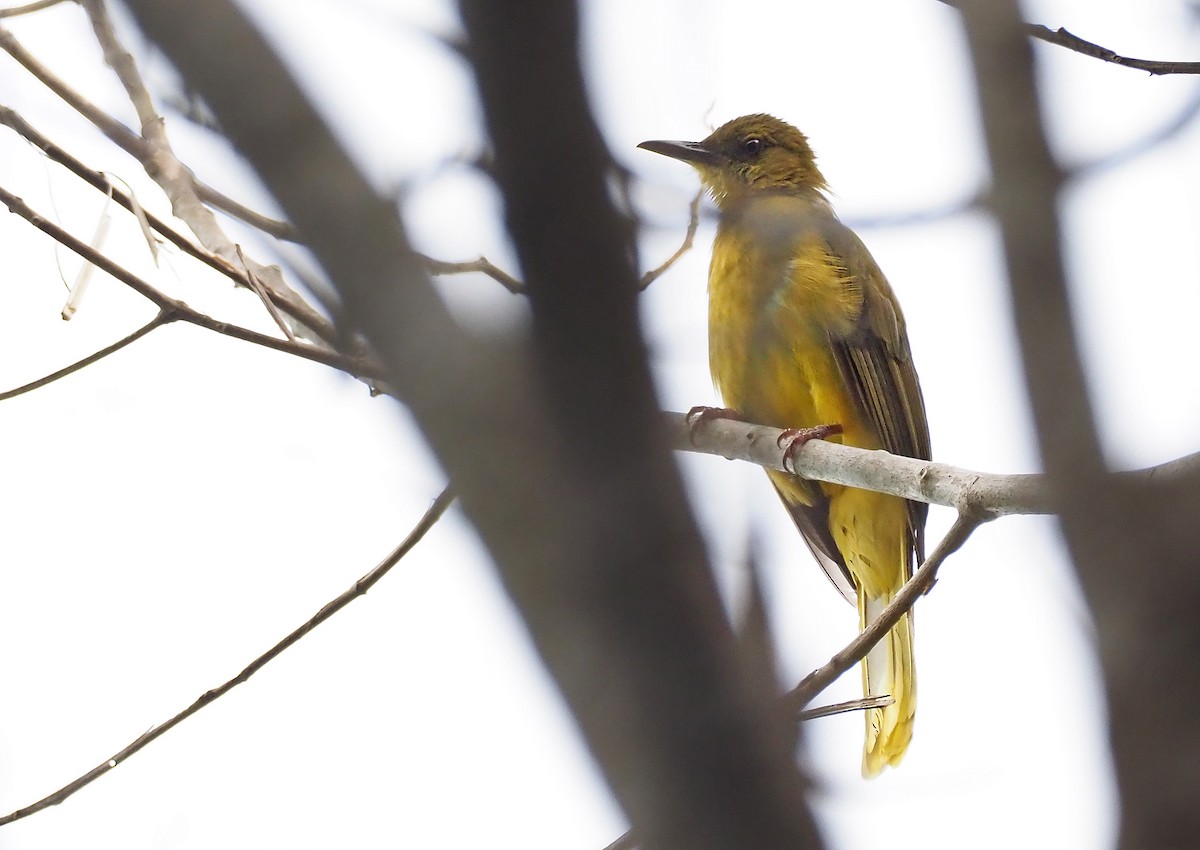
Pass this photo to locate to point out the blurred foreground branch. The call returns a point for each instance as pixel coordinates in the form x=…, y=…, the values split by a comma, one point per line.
x=596, y=548
x=1134, y=545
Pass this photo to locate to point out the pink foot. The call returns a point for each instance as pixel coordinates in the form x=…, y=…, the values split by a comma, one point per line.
x=700, y=414
x=795, y=438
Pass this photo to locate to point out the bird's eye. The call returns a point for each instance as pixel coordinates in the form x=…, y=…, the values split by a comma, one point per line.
x=752, y=145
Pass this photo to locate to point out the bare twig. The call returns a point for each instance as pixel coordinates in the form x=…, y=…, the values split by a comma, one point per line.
x=923, y=579
x=360, y=367
x=861, y=704
x=688, y=238
x=236, y=209
x=37, y=6
x=287, y=300
x=1062, y=38
x=260, y=289
x=158, y=321
x=128, y=140
x=359, y=588
x=482, y=265
x=117, y=132
x=161, y=163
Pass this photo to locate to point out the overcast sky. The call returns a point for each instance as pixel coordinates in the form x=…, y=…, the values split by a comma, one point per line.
x=172, y=511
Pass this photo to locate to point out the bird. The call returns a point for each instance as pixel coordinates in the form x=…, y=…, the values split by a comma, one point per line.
x=805, y=334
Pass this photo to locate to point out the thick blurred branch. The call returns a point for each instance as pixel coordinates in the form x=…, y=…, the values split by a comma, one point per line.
x=1135, y=545
x=595, y=547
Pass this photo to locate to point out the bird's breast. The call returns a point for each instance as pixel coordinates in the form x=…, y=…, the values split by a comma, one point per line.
x=776, y=302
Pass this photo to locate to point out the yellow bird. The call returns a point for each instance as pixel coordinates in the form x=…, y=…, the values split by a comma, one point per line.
x=804, y=331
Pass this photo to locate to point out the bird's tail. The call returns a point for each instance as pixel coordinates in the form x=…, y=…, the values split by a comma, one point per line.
x=888, y=669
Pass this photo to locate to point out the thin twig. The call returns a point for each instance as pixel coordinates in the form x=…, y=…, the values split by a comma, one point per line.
x=1062, y=38
x=482, y=265
x=360, y=367
x=128, y=140
x=236, y=209
x=688, y=238
x=260, y=289
x=158, y=321
x=861, y=704
x=160, y=161
x=286, y=300
x=359, y=588
x=821, y=678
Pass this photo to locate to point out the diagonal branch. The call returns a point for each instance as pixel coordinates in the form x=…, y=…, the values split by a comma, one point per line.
x=688, y=238
x=359, y=588
x=129, y=141
x=360, y=367
x=855, y=651
x=163, y=317
x=286, y=301
x=1063, y=38
x=158, y=158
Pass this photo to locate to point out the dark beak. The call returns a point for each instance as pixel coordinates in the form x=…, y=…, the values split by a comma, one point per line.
x=694, y=152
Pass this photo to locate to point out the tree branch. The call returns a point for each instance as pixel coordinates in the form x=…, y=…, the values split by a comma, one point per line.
x=359, y=588
x=165, y=168
x=176, y=310
x=688, y=238
x=482, y=265
x=1133, y=541
x=162, y=318
x=1062, y=38
x=923, y=579
x=129, y=141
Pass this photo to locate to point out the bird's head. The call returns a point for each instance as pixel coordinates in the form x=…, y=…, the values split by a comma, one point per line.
x=751, y=154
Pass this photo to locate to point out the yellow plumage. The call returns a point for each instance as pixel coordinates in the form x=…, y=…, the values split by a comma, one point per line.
x=805, y=331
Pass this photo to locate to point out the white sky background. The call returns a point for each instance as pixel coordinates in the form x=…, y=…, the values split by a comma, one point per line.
x=171, y=512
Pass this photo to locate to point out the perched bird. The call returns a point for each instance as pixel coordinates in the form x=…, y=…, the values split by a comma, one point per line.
x=804, y=331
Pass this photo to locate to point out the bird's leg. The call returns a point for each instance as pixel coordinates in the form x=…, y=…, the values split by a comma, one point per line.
x=795, y=438
x=700, y=414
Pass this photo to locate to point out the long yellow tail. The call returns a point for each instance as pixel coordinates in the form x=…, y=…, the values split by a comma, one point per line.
x=888, y=669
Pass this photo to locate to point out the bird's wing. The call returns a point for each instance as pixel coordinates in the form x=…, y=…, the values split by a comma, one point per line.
x=876, y=364
x=812, y=521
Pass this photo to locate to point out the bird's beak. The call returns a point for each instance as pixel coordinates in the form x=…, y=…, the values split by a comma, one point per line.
x=693, y=152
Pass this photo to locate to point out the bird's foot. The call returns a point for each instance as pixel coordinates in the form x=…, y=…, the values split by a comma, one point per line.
x=700, y=414
x=795, y=438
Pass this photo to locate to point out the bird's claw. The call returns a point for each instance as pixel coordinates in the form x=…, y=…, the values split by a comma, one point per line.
x=795, y=438
x=700, y=414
